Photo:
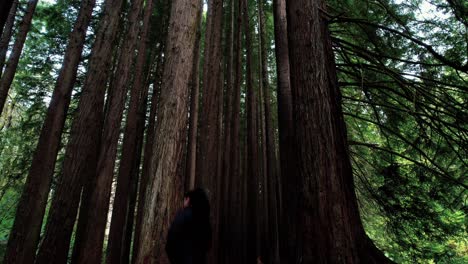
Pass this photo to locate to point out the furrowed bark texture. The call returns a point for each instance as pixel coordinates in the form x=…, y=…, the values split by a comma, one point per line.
x=81, y=154
x=194, y=108
x=24, y=236
x=96, y=194
x=151, y=128
x=130, y=152
x=329, y=229
x=164, y=192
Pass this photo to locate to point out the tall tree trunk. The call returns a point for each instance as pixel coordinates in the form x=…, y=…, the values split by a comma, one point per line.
x=10, y=69
x=271, y=159
x=24, y=236
x=5, y=7
x=263, y=221
x=130, y=146
x=82, y=150
x=148, y=152
x=147, y=156
x=7, y=33
x=329, y=228
x=208, y=127
x=194, y=108
x=93, y=214
x=151, y=128
x=234, y=173
x=225, y=229
x=165, y=189
x=252, y=146
x=286, y=133
x=208, y=164
x=130, y=220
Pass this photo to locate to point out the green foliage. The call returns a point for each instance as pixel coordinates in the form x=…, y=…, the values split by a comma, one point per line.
x=404, y=88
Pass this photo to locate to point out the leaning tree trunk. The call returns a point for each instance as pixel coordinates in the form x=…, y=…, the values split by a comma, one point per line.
x=5, y=7
x=164, y=192
x=164, y=8
x=96, y=194
x=7, y=33
x=24, y=236
x=252, y=146
x=82, y=150
x=12, y=64
x=328, y=226
x=130, y=143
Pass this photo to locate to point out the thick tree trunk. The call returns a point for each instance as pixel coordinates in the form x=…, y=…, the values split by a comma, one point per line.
x=235, y=167
x=28, y=220
x=252, y=146
x=10, y=69
x=7, y=33
x=208, y=148
x=130, y=142
x=225, y=229
x=208, y=143
x=164, y=192
x=82, y=150
x=194, y=108
x=151, y=128
x=5, y=7
x=329, y=228
x=286, y=133
x=96, y=194
x=271, y=183
x=147, y=156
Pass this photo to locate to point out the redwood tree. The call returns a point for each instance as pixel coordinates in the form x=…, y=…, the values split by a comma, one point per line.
x=24, y=236
x=81, y=154
x=252, y=171
x=96, y=193
x=328, y=226
x=165, y=187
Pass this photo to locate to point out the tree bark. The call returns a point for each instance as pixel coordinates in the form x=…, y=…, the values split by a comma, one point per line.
x=271, y=159
x=225, y=229
x=208, y=163
x=194, y=108
x=24, y=236
x=328, y=226
x=10, y=69
x=151, y=128
x=96, y=194
x=130, y=152
x=252, y=146
x=5, y=7
x=165, y=189
x=286, y=133
x=234, y=254
x=82, y=150
x=7, y=33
